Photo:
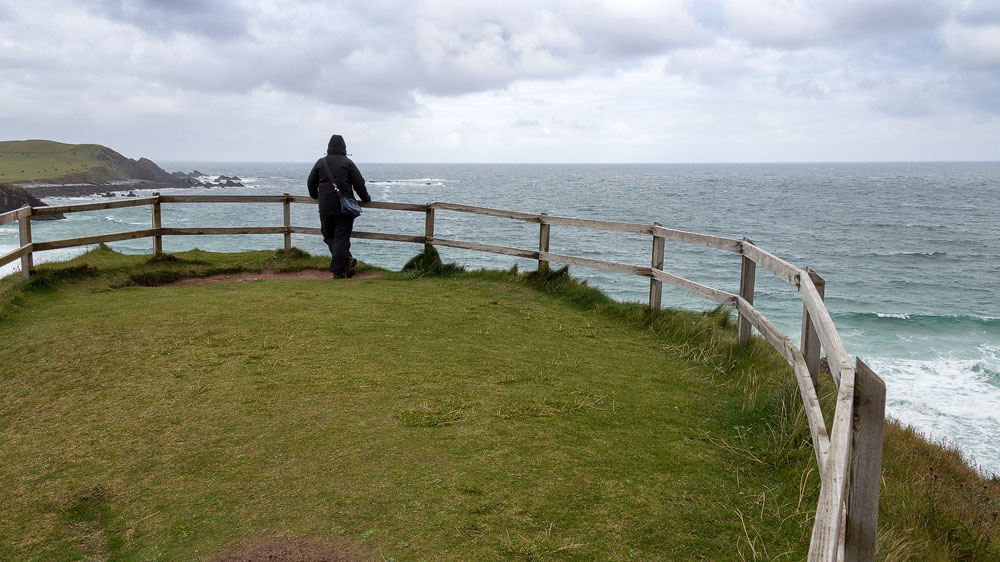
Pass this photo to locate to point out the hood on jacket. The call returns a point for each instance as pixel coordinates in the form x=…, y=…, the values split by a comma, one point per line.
x=337, y=146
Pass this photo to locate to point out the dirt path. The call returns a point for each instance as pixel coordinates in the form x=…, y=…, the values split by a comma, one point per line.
x=289, y=550
x=244, y=277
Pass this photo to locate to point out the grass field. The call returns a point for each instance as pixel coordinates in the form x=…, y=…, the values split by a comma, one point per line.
x=469, y=416
x=41, y=160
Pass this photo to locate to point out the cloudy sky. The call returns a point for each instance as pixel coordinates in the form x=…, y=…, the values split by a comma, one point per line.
x=507, y=81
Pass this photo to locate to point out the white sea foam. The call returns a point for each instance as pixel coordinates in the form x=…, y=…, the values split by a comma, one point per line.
x=12, y=267
x=118, y=220
x=40, y=257
x=431, y=182
x=952, y=400
x=900, y=315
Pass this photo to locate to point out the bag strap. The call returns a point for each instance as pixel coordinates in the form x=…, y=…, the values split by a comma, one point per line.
x=329, y=174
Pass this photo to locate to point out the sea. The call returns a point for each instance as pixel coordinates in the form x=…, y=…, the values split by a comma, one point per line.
x=910, y=252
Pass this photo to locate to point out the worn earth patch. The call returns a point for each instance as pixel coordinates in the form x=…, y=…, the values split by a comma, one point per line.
x=247, y=276
x=288, y=550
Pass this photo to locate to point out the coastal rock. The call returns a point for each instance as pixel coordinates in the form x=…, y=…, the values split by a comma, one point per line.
x=227, y=181
x=193, y=179
x=13, y=197
x=190, y=176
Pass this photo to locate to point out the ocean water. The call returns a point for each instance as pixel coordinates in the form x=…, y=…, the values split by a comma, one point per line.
x=909, y=251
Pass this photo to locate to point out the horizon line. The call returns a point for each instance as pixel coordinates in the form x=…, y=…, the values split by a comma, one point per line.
x=735, y=162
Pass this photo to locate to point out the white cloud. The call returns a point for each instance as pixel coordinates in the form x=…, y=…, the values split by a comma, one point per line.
x=974, y=45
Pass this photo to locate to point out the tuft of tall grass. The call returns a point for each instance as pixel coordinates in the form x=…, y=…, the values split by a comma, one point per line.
x=48, y=279
x=428, y=263
x=937, y=500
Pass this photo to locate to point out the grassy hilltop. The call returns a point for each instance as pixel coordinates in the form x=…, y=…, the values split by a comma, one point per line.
x=44, y=161
x=409, y=416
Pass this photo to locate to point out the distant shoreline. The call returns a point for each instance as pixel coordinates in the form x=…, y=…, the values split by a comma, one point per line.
x=42, y=190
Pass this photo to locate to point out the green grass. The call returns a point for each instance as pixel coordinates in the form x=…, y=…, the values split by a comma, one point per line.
x=457, y=416
x=40, y=160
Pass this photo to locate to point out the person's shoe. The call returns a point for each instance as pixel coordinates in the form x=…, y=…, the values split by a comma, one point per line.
x=350, y=266
x=336, y=276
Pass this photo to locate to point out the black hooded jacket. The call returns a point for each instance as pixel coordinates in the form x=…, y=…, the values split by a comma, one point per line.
x=346, y=178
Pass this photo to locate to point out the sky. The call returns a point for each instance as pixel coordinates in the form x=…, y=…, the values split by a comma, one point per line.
x=507, y=81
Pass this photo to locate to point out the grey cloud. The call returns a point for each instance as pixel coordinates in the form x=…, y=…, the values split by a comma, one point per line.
x=801, y=87
x=874, y=19
x=932, y=94
x=608, y=32
x=811, y=23
x=213, y=18
x=717, y=65
x=980, y=12
x=980, y=90
x=904, y=103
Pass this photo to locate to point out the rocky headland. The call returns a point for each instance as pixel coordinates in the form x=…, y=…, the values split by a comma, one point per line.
x=52, y=169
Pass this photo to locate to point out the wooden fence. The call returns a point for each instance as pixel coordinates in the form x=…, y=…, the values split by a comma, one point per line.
x=849, y=456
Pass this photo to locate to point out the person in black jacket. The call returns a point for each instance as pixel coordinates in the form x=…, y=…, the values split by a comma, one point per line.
x=337, y=226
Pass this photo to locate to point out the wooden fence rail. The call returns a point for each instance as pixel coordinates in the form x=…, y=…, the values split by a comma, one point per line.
x=848, y=456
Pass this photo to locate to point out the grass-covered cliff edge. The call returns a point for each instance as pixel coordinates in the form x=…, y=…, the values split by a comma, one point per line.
x=409, y=416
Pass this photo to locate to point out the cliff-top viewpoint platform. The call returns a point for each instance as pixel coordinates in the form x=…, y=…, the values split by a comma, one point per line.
x=464, y=416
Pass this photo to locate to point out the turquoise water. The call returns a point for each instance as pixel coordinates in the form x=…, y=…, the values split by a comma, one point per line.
x=909, y=251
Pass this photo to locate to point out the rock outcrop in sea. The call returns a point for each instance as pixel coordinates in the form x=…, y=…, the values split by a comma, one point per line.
x=195, y=179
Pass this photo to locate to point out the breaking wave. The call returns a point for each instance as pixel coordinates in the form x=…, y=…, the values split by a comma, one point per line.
x=950, y=321
x=422, y=182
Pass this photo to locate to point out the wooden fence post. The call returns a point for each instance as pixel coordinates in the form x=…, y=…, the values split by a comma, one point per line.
x=655, y=285
x=748, y=273
x=157, y=224
x=810, y=338
x=543, y=242
x=429, y=225
x=866, y=464
x=24, y=235
x=287, y=208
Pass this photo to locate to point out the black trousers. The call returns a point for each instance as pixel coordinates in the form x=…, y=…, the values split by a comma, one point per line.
x=337, y=235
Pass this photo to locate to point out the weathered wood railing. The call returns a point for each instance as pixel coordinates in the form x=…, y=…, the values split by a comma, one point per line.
x=849, y=456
